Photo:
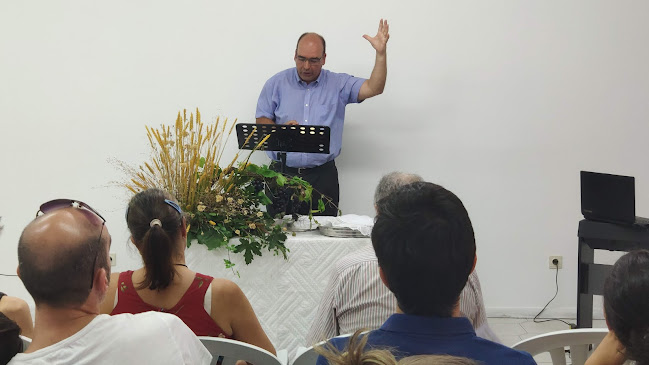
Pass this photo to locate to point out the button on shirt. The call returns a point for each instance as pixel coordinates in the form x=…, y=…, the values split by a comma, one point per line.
x=410, y=335
x=286, y=97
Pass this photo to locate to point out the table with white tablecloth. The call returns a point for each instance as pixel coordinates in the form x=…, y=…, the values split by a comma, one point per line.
x=284, y=294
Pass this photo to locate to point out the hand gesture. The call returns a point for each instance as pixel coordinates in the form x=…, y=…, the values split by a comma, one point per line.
x=380, y=40
x=292, y=122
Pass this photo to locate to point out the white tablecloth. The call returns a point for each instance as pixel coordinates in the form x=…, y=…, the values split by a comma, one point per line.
x=284, y=294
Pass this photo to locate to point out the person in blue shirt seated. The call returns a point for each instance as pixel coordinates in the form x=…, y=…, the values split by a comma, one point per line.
x=425, y=246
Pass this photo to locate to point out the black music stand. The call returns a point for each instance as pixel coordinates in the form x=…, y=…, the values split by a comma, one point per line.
x=284, y=138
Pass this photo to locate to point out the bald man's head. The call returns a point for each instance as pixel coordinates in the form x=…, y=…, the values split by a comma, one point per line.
x=58, y=253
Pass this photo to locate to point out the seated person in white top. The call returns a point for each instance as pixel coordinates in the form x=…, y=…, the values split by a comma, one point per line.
x=355, y=297
x=64, y=264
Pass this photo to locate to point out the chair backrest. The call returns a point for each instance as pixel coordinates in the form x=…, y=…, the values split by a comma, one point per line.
x=308, y=356
x=232, y=350
x=555, y=343
x=26, y=342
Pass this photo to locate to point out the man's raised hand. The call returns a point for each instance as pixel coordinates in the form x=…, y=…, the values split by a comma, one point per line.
x=380, y=40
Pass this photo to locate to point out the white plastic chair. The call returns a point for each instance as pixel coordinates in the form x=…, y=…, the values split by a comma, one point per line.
x=26, y=342
x=232, y=351
x=308, y=356
x=555, y=342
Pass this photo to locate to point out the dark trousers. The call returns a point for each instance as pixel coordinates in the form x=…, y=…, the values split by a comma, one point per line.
x=324, y=179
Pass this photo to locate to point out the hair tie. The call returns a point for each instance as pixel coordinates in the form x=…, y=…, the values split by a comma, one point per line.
x=155, y=222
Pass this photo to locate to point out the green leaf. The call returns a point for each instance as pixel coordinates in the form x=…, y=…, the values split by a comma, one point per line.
x=263, y=198
x=281, y=180
x=321, y=206
x=228, y=264
x=252, y=168
x=211, y=239
x=201, y=162
x=308, y=192
x=247, y=255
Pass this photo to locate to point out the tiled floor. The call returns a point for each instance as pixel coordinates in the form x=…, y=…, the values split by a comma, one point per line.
x=513, y=330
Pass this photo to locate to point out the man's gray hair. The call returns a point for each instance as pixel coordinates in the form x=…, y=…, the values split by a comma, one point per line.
x=391, y=182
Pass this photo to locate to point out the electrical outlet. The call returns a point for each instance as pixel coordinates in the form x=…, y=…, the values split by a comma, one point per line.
x=113, y=259
x=558, y=265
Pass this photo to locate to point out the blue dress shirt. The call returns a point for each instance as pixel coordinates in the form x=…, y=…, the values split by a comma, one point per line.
x=411, y=335
x=286, y=97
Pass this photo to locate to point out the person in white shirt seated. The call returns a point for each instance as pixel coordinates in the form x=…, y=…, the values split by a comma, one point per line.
x=64, y=264
x=356, y=298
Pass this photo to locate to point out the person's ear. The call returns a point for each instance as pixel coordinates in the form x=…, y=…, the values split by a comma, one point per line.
x=183, y=228
x=324, y=58
x=18, y=271
x=101, y=280
x=475, y=261
x=383, y=278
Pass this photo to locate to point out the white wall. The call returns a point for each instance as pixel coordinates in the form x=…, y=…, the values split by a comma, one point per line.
x=502, y=102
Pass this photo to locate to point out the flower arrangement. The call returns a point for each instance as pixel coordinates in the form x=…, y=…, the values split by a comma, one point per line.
x=220, y=202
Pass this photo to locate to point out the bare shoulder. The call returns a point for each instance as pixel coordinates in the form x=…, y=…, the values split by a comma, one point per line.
x=12, y=305
x=225, y=287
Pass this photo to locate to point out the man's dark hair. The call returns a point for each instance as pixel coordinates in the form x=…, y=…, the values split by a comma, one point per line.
x=626, y=304
x=65, y=277
x=425, y=246
x=324, y=44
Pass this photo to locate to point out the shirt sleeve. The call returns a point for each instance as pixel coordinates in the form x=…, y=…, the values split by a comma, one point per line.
x=351, y=86
x=266, y=105
x=188, y=345
x=324, y=326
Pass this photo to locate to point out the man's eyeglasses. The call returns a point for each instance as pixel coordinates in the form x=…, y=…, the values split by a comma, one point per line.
x=92, y=215
x=312, y=60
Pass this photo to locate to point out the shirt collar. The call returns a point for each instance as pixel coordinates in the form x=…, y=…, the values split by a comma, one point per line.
x=315, y=82
x=406, y=323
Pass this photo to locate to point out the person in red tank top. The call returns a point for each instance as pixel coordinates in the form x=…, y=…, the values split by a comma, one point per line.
x=209, y=306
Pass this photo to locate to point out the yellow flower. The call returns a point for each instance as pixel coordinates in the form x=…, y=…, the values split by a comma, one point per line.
x=245, y=212
x=230, y=200
x=284, y=229
x=260, y=214
x=201, y=207
x=212, y=223
x=237, y=232
x=240, y=201
x=219, y=198
x=252, y=226
x=226, y=221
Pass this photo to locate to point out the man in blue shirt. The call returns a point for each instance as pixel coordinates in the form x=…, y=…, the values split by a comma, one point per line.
x=425, y=246
x=309, y=95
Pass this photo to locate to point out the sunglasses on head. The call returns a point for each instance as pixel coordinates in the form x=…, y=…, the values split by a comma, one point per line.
x=57, y=204
x=92, y=215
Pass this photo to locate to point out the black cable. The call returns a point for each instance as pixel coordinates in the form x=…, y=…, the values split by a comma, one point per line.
x=7, y=275
x=556, y=281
